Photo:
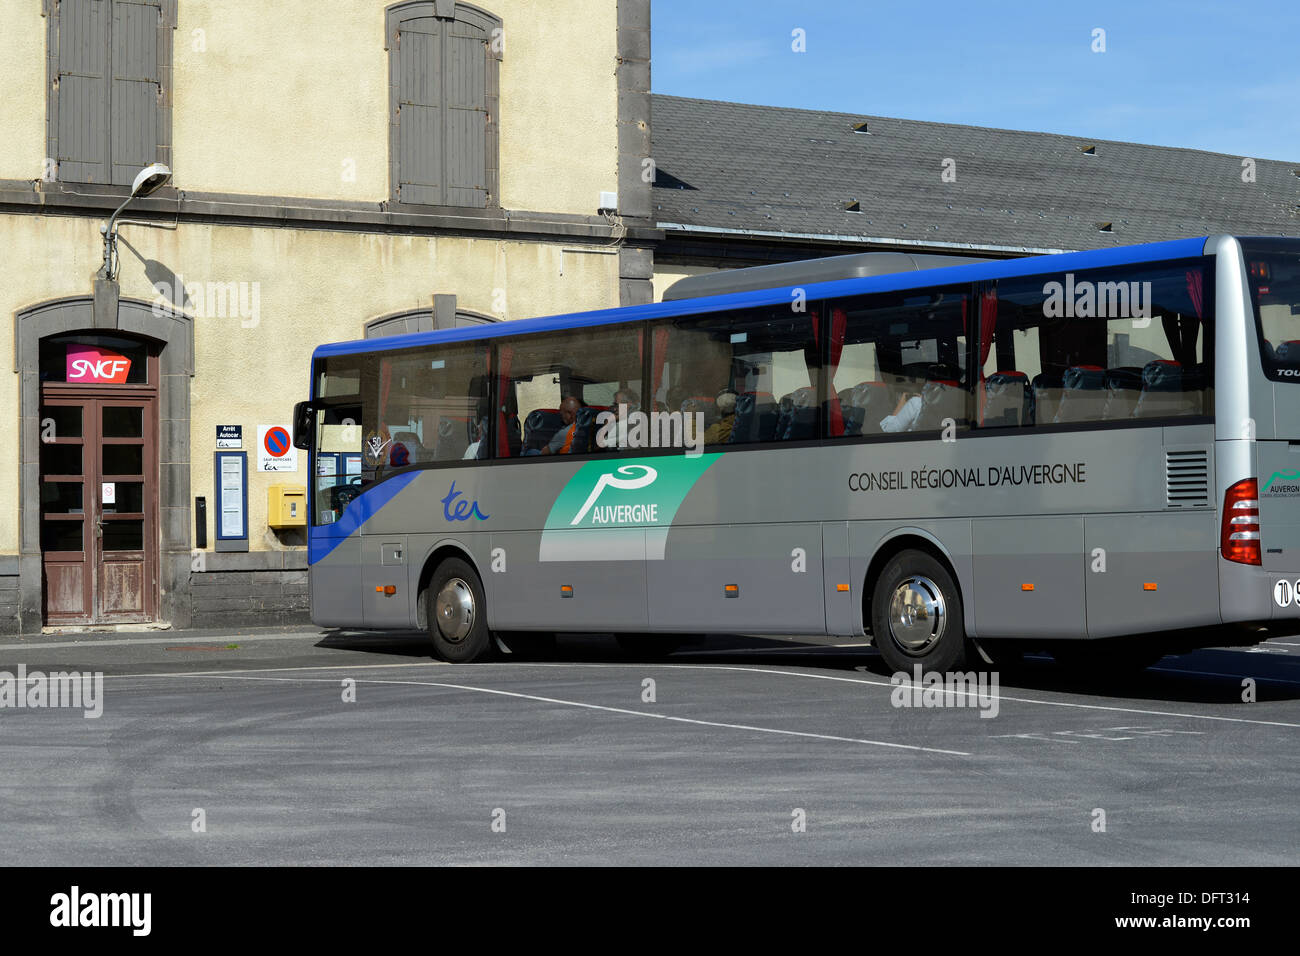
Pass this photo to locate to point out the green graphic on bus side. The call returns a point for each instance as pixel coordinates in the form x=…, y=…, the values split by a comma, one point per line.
x=1290, y=474
x=634, y=502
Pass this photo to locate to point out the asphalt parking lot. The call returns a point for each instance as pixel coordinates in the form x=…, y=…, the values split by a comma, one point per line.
x=311, y=747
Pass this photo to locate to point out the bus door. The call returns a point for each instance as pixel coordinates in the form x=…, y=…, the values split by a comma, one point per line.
x=584, y=567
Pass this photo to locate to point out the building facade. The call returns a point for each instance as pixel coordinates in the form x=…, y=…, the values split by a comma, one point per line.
x=339, y=169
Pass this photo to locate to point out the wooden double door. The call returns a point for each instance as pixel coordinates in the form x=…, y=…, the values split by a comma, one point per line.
x=99, y=504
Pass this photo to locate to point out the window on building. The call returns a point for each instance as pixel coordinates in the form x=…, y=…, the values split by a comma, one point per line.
x=424, y=320
x=110, y=78
x=444, y=60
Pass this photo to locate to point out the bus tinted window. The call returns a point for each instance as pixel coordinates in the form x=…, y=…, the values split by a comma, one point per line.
x=554, y=388
x=740, y=377
x=898, y=362
x=1112, y=345
x=1273, y=269
x=388, y=411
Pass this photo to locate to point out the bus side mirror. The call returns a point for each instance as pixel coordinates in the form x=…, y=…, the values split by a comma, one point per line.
x=303, y=420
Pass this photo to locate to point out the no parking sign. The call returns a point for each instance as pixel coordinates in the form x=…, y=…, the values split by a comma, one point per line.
x=275, y=451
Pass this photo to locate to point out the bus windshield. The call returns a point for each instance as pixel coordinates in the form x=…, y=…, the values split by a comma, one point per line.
x=1273, y=268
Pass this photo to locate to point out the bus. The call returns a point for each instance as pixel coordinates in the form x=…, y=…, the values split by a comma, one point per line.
x=1095, y=452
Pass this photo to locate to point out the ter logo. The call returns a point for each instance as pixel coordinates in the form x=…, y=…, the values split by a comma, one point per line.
x=454, y=510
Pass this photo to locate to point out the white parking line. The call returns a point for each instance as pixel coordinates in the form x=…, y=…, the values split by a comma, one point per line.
x=586, y=706
x=1000, y=697
x=515, y=665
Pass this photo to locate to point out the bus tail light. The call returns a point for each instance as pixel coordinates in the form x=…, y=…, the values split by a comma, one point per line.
x=1240, y=537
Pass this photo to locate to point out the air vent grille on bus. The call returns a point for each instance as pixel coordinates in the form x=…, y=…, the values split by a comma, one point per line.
x=1187, y=478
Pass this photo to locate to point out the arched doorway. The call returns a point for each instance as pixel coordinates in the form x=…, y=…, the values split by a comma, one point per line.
x=105, y=464
x=99, y=479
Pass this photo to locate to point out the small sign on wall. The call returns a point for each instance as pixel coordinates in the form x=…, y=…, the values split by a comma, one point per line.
x=230, y=436
x=275, y=451
x=109, y=496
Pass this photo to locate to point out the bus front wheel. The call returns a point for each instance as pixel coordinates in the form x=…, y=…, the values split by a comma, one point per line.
x=916, y=615
x=458, y=614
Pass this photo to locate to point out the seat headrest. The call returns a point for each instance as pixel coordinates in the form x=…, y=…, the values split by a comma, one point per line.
x=1162, y=375
x=1084, y=376
x=1004, y=378
x=538, y=416
x=1124, y=377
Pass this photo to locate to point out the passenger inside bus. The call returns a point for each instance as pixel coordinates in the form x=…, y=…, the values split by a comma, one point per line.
x=625, y=402
x=906, y=413
x=720, y=431
x=564, y=441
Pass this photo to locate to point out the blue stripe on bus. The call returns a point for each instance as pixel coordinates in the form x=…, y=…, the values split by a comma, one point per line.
x=323, y=539
x=893, y=282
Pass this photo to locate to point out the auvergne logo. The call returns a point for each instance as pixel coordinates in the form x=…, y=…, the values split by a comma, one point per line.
x=620, y=513
x=624, y=479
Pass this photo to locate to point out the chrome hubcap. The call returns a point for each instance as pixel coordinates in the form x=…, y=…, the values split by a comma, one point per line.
x=454, y=610
x=917, y=614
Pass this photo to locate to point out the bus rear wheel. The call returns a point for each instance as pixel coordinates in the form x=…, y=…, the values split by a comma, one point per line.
x=916, y=615
x=458, y=614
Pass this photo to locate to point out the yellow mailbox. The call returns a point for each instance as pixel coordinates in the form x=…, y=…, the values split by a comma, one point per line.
x=286, y=506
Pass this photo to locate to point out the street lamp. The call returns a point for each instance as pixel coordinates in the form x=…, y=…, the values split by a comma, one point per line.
x=147, y=182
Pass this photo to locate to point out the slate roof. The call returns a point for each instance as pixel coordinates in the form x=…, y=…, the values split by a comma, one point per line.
x=790, y=173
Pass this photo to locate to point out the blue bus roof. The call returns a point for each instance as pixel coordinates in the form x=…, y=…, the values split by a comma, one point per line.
x=780, y=295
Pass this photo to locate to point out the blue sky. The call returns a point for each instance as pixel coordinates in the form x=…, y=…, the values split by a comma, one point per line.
x=1220, y=76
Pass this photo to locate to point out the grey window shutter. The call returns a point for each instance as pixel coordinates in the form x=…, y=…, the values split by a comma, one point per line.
x=466, y=115
x=420, y=134
x=83, y=91
x=444, y=83
x=136, y=87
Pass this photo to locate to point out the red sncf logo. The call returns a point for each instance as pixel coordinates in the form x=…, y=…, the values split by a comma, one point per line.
x=90, y=365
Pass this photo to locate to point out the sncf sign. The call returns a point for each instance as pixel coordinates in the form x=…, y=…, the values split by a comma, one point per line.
x=89, y=365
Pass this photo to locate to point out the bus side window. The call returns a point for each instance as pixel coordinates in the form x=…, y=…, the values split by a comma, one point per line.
x=901, y=362
x=739, y=378
x=1108, y=345
x=563, y=387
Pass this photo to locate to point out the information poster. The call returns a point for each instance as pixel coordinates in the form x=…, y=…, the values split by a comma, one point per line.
x=232, y=495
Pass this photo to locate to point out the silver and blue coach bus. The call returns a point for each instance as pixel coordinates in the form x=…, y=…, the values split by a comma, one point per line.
x=1100, y=450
